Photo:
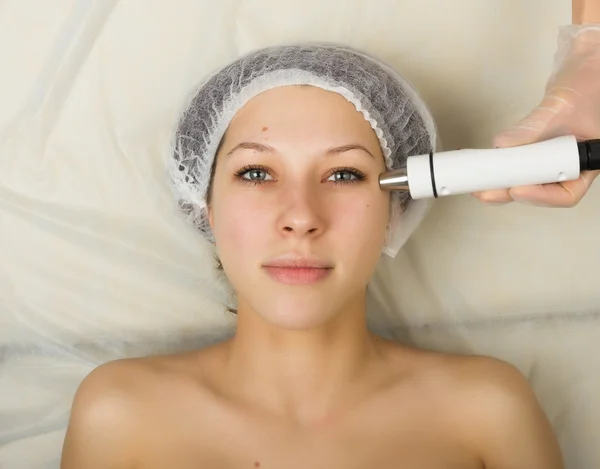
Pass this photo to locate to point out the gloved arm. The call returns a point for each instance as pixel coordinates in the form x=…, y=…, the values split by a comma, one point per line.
x=571, y=105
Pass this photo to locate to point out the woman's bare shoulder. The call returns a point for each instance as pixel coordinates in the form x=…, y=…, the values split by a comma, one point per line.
x=456, y=371
x=117, y=406
x=494, y=406
x=460, y=369
x=139, y=376
x=468, y=369
x=470, y=383
x=104, y=422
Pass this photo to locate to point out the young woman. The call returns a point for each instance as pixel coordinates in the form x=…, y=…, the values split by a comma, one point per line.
x=299, y=223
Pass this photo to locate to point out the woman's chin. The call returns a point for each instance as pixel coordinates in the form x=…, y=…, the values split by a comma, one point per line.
x=299, y=315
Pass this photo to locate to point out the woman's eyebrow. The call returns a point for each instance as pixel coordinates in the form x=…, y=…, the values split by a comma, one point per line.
x=344, y=148
x=266, y=148
x=251, y=146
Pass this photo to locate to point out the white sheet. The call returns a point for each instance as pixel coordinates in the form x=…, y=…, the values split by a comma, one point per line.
x=95, y=262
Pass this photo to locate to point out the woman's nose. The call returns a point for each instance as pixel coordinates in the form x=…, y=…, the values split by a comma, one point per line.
x=303, y=214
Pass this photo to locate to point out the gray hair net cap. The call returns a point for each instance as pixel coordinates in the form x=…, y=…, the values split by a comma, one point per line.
x=394, y=110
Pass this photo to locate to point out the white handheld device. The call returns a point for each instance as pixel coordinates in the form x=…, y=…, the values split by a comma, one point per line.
x=470, y=170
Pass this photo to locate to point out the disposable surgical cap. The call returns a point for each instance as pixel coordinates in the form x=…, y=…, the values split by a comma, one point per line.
x=398, y=116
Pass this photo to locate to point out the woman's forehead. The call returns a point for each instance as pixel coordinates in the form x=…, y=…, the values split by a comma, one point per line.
x=300, y=112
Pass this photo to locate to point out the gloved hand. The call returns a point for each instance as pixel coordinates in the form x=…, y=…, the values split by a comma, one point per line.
x=571, y=106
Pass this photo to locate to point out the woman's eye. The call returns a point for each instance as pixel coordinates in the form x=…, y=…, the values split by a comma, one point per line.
x=344, y=176
x=256, y=175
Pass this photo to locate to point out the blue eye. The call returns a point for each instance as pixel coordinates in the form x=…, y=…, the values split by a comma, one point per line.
x=343, y=176
x=256, y=175
x=346, y=176
x=260, y=175
x=253, y=174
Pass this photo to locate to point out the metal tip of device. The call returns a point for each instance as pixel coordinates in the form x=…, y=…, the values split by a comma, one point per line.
x=396, y=180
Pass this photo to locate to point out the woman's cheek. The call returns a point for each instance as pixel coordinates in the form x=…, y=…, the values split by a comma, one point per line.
x=365, y=214
x=241, y=222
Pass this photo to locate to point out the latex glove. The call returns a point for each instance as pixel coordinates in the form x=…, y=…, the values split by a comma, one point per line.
x=571, y=106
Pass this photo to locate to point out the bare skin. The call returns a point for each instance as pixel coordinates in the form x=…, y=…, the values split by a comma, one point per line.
x=303, y=384
x=586, y=11
x=416, y=409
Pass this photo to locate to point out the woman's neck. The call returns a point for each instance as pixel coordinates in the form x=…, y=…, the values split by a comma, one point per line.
x=304, y=375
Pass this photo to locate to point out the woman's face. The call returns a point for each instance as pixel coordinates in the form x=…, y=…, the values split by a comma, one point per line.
x=296, y=210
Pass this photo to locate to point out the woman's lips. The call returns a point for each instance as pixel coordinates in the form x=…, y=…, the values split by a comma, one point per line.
x=298, y=269
x=293, y=275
